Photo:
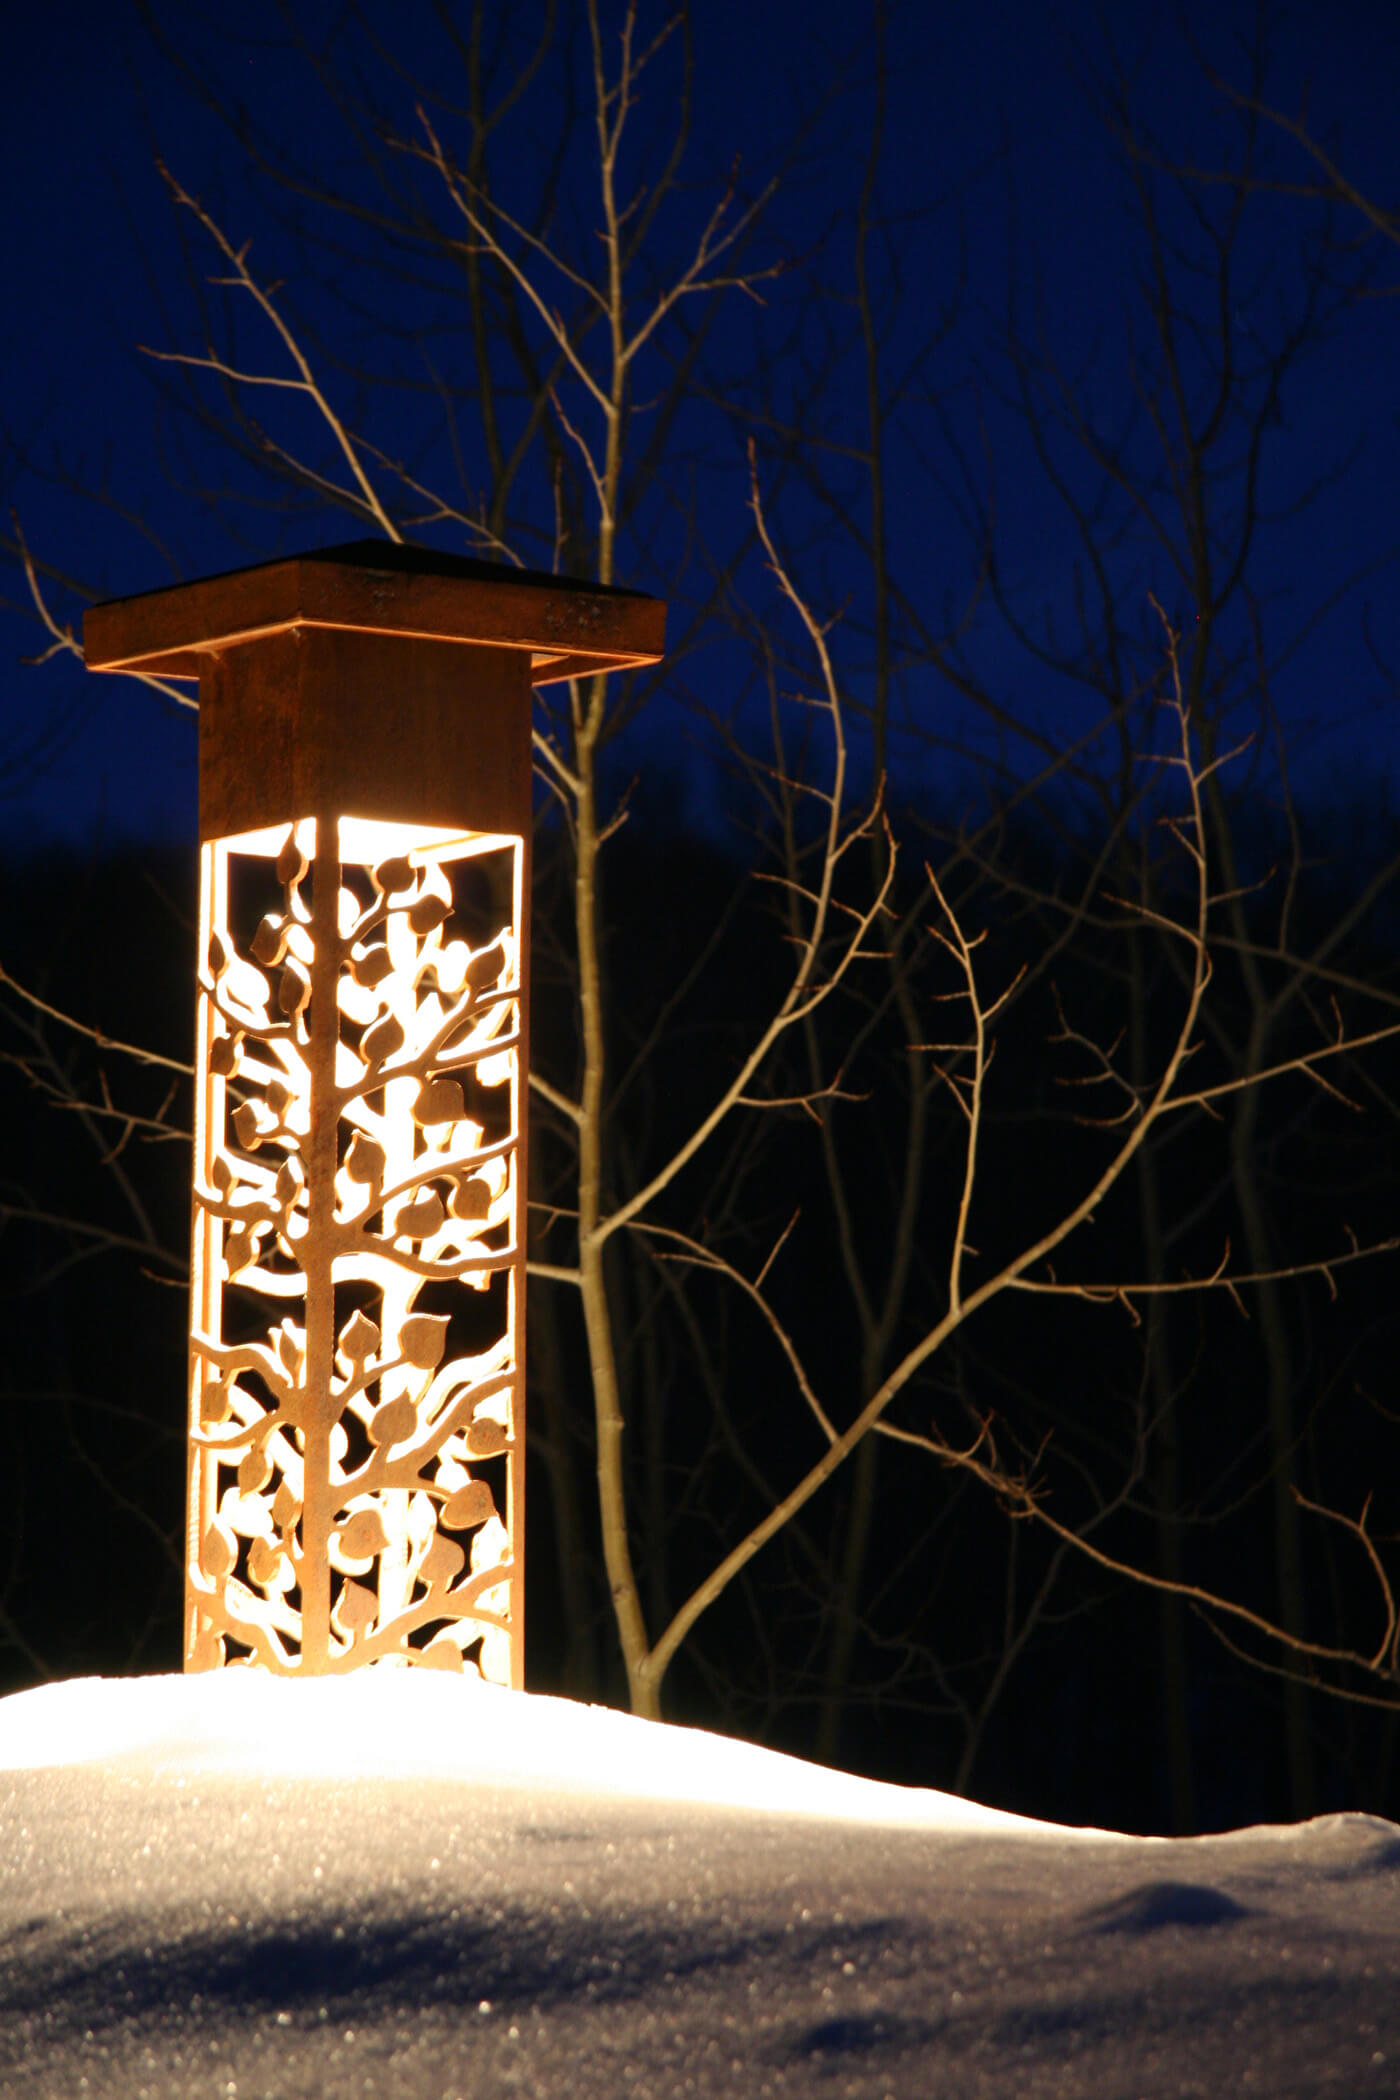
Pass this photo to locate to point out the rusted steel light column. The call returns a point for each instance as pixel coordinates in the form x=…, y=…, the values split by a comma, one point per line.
x=356, y=1434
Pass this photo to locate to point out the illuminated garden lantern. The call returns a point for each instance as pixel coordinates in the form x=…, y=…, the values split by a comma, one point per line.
x=356, y=1431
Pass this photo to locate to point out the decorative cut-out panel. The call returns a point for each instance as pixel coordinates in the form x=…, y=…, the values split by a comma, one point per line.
x=354, y=1433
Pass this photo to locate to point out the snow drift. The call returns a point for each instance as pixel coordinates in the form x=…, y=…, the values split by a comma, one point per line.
x=404, y=1883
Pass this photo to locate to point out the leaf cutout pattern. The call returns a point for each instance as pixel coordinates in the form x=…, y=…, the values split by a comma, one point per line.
x=338, y=1442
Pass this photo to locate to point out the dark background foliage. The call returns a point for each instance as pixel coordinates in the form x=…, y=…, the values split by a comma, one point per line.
x=93, y=1484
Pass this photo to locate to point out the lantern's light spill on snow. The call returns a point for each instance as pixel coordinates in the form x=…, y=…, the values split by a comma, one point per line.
x=449, y=1728
x=355, y=1435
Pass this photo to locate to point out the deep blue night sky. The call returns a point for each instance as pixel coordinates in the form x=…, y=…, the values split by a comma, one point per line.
x=988, y=112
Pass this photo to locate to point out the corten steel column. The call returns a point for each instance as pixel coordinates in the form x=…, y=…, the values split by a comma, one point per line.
x=356, y=1439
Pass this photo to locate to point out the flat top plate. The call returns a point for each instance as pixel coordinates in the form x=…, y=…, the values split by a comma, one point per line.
x=570, y=627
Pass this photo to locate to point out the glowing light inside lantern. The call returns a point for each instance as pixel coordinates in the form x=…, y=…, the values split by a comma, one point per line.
x=354, y=1475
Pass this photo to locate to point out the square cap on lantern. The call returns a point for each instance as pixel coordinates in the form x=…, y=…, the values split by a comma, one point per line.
x=372, y=677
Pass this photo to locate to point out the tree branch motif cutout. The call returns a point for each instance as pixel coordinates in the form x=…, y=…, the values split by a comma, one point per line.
x=354, y=1491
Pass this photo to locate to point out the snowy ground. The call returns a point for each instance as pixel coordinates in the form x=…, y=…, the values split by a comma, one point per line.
x=403, y=1884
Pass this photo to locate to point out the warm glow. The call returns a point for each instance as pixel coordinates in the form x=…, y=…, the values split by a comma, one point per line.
x=434, y=1727
x=354, y=1477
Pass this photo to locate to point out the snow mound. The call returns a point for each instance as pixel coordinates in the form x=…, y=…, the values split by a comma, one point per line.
x=382, y=1723
x=400, y=1886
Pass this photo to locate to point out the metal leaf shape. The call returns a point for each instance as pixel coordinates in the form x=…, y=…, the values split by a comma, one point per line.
x=486, y=1439
x=371, y=968
x=214, y=1403
x=381, y=1040
x=264, y=1562
x=364, y=1159
x=355, y=1608
x=442, y=1563
x=486, y=967
x=393, y=876
x=291, y=862
x=422, y=1340
x=225, y=1056
x=269, y=943
x=470, y=1506
x=245, y=1125
x=471, y=1198
x=439, y=1101
x=358, y=1339
x=291, y=1348
x=294, y=989
x=426, y=912
x=285, y=1506
x=219, y=1551
x=254, y=1471
x=206, y=1650
x=441, y=1654
x=393, y=1423
x=362, y=1534
x=421, y=1218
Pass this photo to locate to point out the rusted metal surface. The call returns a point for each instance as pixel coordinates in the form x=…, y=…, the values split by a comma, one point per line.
x=374, y=587
x=317, y=721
